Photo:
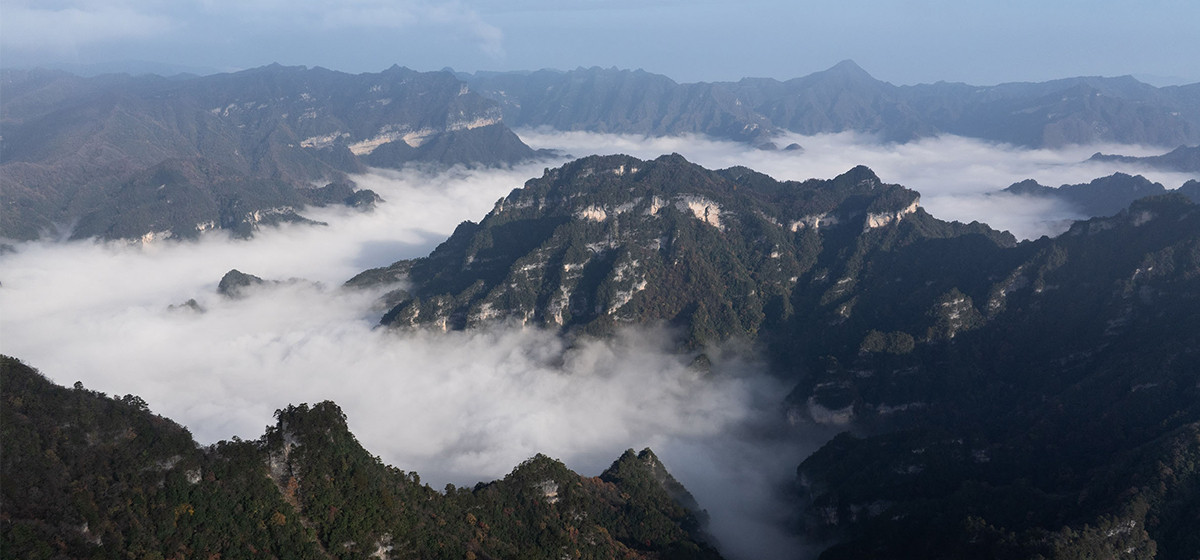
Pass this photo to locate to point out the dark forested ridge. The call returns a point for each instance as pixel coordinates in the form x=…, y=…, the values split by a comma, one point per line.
x=1082, y=110
x=91, y=476
x=1010, y=399
x=120, y=156
x=1061, y=422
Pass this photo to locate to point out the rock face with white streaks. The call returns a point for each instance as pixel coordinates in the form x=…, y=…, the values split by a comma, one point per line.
x=607, y=241
x=881, y=219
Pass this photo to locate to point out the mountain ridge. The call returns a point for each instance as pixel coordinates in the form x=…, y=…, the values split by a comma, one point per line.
x=846, y=98
x=608, y=240
x=271, y=133
x=87, y=475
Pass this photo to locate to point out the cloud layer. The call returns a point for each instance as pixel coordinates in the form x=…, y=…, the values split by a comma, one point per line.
x=455, y=407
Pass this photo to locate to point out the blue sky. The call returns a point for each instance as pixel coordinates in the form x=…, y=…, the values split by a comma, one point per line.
x=981, y=42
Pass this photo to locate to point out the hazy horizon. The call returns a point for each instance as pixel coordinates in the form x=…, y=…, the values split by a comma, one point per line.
x=982, y=43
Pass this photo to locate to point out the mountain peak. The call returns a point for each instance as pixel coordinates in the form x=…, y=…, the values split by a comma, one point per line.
x=848, y=68
x=860, y=175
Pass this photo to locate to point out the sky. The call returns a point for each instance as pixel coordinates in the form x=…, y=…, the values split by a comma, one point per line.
x=903, y=42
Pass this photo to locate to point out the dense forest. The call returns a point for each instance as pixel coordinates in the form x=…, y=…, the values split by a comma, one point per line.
x=87, y=475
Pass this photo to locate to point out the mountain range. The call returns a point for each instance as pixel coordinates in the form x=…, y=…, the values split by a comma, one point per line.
x=1082, y=110
x=127, y=157
x=118, y=156
x=1105, y=196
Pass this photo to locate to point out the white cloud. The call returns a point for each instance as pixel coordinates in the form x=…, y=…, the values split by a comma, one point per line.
x=410, y=16
x=68, y=28
x=455, y=407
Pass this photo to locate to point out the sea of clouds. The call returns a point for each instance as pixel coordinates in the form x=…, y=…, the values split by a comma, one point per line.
x=462, y=407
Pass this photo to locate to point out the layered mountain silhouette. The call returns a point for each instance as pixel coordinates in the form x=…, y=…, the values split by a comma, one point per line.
x=846, y=98
x=78, y=154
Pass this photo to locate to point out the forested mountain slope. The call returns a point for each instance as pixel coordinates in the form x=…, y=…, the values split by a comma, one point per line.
x=86, y=475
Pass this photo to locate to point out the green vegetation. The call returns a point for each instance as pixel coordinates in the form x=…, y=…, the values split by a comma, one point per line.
x=1062, y=426
x=85, y=475
x=605, y=241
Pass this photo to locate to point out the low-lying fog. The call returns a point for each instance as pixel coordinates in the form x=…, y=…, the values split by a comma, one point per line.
x=465, y=407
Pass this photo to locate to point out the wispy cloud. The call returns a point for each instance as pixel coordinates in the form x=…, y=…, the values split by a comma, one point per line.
x=71, y=26
x=451, y=16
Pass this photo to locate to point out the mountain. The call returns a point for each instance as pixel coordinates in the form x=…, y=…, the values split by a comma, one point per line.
x=87, y=475
x=843, y=98
x=1062, y=423
x=1008, y=399
x=1191, y=189
x=619, y=101
x=118, y=156
x=606, y=241
x=1184, y=159
x=1101, y=197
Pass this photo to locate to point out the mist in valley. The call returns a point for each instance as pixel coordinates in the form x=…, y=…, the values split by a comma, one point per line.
x=462, y=407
